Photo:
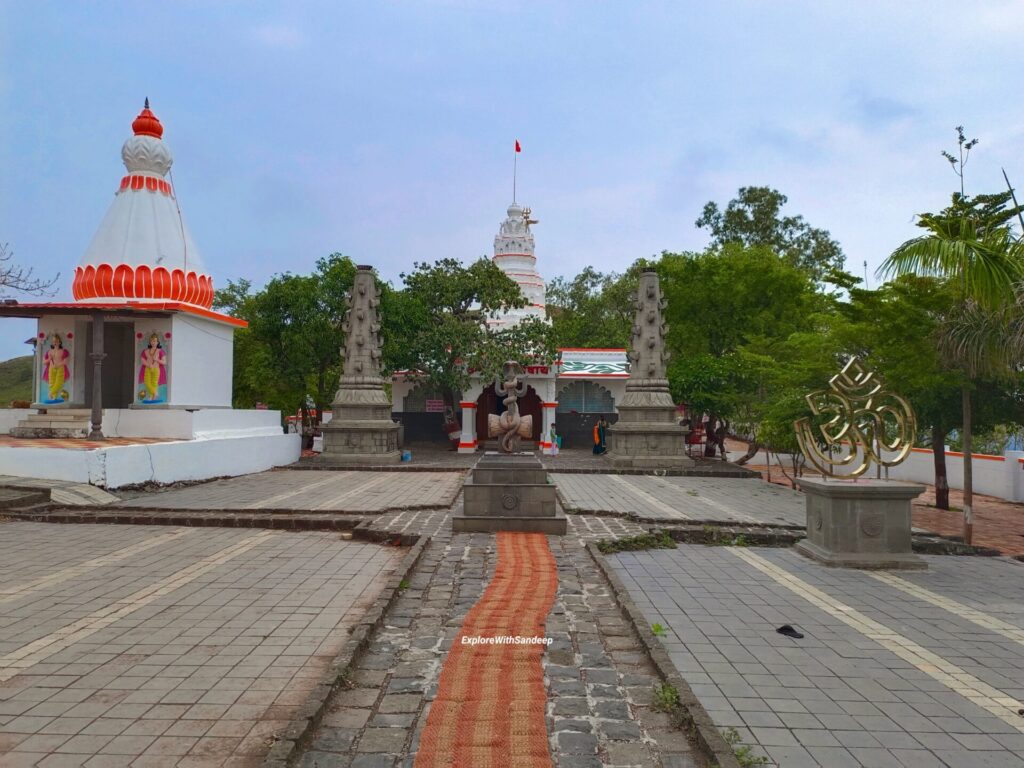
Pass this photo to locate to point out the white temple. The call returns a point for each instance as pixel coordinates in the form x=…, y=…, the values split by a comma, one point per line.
x=140, y=354
x=514, y=254
x=570, y=393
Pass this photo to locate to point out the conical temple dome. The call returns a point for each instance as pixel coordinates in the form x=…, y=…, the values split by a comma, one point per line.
x=142, y=250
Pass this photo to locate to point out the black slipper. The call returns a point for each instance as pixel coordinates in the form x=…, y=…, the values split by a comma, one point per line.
x=788, y=631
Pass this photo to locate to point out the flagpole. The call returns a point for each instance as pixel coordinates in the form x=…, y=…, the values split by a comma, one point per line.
x=515, y=164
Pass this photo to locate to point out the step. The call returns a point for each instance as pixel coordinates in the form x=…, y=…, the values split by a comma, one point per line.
x=553, y=526
x=55, y=415
x=43, y=433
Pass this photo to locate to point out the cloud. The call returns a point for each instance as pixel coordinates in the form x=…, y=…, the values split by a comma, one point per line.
x=281, y=36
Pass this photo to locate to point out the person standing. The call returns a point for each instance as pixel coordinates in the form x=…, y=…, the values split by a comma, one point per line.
x=600, y=435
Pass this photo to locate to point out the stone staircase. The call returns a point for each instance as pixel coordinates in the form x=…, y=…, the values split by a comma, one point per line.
x=54, y=422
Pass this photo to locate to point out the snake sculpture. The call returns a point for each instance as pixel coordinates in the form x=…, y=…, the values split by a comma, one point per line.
x=510, y=425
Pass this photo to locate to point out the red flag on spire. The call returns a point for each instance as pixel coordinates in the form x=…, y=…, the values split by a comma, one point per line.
x=518, y=148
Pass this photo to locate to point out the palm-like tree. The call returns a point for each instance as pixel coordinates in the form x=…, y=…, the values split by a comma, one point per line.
x=973, y=247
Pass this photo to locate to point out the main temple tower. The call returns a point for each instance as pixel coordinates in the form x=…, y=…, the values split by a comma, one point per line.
x=514, y=254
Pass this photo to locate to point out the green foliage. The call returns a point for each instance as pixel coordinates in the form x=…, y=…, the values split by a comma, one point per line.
x=744, y=752
x=291, y=351
x=445, y=307
x=636, y=543
x=15, y=380
x=593, y=309
x=754, y=218
x=658, y=630
x=666, y=699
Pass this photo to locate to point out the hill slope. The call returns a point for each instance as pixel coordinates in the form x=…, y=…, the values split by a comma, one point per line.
x=15, y=380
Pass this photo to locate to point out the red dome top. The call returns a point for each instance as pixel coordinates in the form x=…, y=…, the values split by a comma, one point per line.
x=147, y=124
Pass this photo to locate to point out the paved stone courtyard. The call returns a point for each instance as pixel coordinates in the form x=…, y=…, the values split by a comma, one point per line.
x=681, y=499
x=908, y=669
x=328, y=491
x=122, y=644
x=155, y=646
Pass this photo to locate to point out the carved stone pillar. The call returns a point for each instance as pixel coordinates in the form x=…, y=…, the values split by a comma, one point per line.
x=361, y=430
x=647, y=434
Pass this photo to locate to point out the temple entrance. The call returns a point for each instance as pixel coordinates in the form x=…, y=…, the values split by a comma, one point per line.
x=489, y=402
x=118, y=366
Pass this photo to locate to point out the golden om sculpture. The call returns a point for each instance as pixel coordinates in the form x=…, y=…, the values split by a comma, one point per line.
x=864, y=416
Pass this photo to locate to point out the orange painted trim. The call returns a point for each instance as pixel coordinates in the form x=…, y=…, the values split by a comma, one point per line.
x=467, y=405
x=549, y=405
x=982, y=456
x=468, y=445
x=104, y=281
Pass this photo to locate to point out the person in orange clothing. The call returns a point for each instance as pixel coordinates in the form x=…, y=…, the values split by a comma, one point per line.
x=600, y=432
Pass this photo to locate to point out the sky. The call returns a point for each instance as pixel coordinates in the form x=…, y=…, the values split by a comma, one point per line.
x=385, y=130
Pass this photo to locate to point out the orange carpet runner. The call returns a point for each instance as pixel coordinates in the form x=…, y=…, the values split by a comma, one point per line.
x=489, y=709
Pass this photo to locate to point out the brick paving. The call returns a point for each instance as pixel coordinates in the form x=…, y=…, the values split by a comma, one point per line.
x=681, y=499
x=998, y=524
x=343, y=491
x=145, y=646
x=915, y=669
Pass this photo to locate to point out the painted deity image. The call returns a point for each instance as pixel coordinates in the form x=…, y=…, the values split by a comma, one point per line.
x=153, y=372
x=56, y=372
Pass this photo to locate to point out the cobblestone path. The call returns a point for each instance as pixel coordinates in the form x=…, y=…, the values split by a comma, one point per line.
x=599, y=683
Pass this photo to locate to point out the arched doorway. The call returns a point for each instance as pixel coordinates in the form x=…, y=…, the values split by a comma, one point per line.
x=580, y=404
x=489, y=402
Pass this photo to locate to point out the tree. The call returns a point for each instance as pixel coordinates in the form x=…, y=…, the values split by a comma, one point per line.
x=14, y=277
x=728, y=309
x=754, y=218
x=896, y=330
x=446, y=309
x=291, y=352
x=593, y=309
x=972, y=246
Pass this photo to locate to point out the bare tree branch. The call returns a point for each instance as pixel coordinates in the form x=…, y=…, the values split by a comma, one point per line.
x=14, y=277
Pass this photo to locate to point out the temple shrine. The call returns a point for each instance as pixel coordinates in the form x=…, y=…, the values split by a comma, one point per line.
x=139, y=354
x=572, y=392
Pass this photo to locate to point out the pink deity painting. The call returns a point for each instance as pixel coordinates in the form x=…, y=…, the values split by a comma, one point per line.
x=56, y=371
x=153, y=372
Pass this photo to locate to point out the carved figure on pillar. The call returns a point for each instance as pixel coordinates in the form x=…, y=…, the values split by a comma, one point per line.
x=361, y=430
x=510, y=425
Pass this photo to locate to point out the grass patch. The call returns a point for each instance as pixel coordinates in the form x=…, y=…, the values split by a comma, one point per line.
x=659, y=630
x=744, y=752
x=666, y=699
x=636, y=543
x=404, y=584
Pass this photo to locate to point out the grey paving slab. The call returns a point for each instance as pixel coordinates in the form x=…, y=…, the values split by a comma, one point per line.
x=681, y=499
x=62, y=492
x=344, y=491
x=882, y=676
x=158, y=645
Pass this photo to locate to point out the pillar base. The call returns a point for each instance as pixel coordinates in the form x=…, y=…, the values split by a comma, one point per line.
x=859, y=523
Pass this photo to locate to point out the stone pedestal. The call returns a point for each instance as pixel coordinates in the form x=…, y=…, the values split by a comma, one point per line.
x=509, y=492
x=859, y=523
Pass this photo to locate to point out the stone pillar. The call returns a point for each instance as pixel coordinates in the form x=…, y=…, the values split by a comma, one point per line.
x=97, y=355
x=647, y=434
x=548, y=418
x=467, y=442
x=361, y=430
x=859, y=523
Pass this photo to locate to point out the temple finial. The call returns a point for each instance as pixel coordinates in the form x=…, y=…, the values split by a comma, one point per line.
x=146, y=105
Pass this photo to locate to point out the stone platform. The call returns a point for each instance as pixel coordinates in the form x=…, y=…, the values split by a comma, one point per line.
x=859, y=523
x=509, y=492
